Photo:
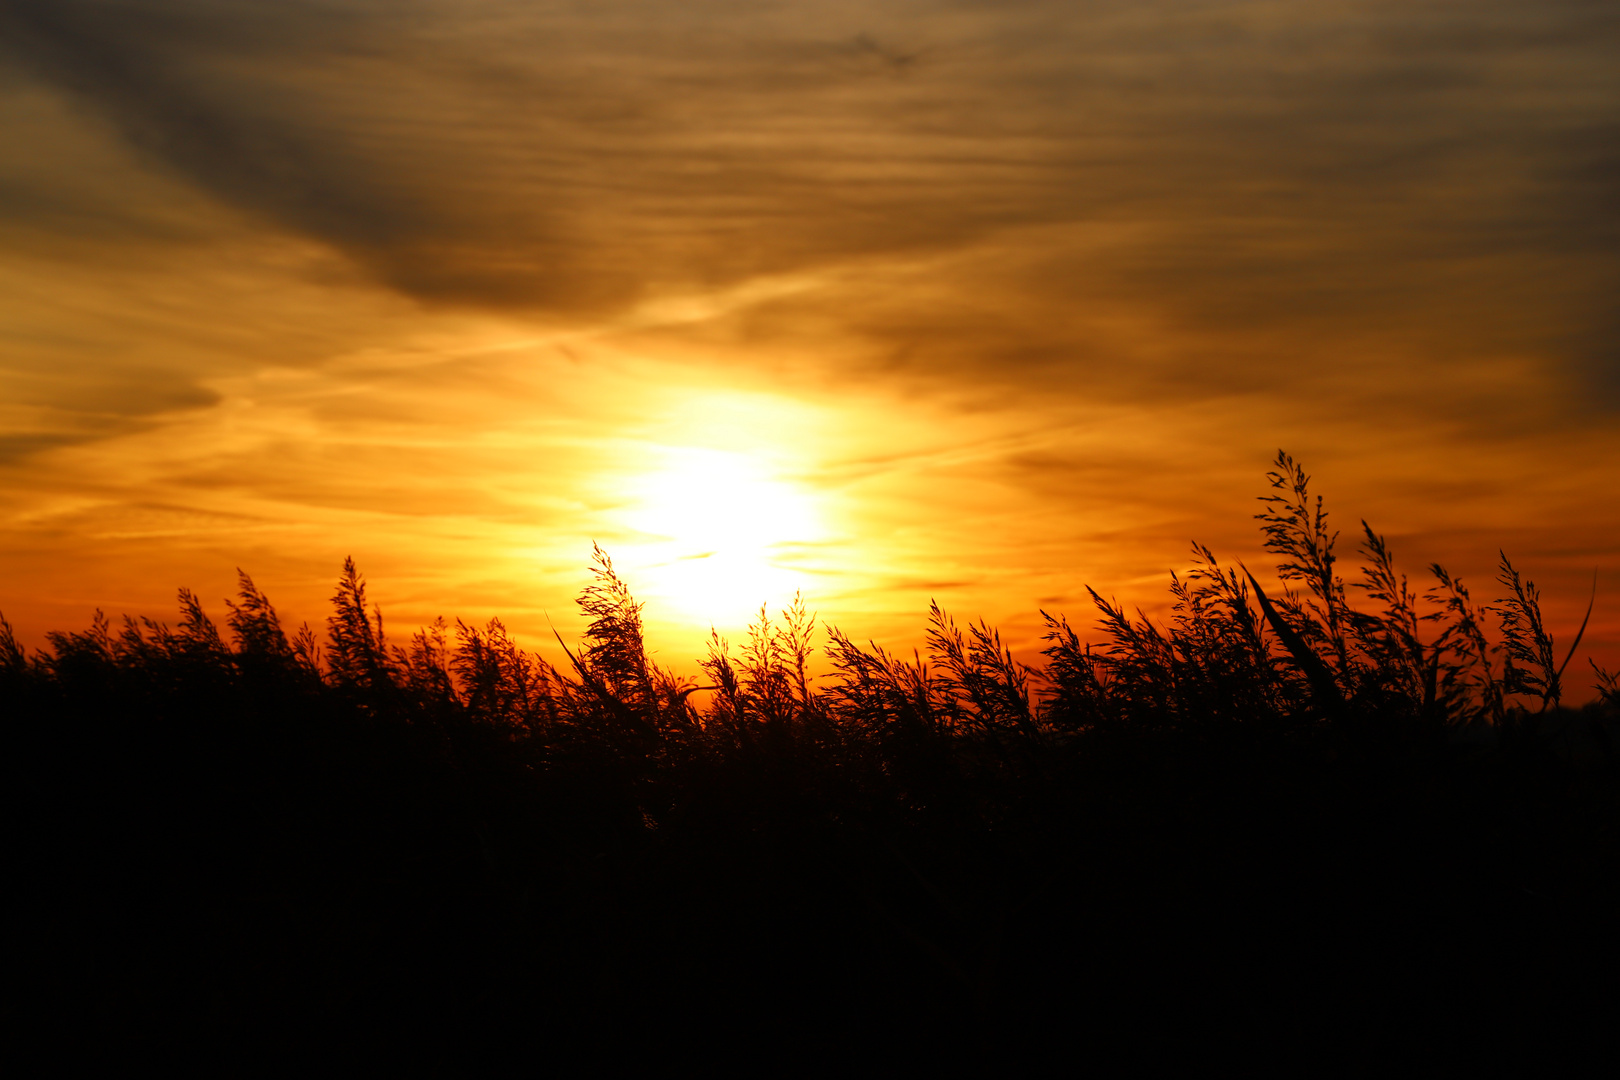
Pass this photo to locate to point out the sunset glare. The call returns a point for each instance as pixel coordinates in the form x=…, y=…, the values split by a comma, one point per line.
x=720, y=530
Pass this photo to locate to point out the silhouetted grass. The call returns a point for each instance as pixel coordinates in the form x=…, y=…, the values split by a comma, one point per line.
x=1270, y=814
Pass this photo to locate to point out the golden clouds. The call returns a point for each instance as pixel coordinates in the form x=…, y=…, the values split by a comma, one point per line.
x=1019, y=298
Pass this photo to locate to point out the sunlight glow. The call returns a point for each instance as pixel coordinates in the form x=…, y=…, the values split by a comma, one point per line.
x=720, y=528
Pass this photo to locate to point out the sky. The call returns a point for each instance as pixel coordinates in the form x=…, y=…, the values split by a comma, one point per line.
x=881, y=302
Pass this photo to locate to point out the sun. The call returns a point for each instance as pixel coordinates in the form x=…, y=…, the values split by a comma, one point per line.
x=722, y=529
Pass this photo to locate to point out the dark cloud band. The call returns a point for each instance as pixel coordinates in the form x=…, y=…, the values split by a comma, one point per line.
x=1442, y=176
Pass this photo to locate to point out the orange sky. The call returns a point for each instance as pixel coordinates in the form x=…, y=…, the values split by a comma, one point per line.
x=958, y=300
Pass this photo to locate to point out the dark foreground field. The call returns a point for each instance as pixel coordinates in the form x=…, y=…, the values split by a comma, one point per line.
x=1274, y=822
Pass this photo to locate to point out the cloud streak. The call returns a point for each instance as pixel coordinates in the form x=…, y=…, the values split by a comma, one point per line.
x=1354, y=164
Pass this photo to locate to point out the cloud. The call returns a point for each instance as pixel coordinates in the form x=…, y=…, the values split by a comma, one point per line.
x=1298, y=170
x=1069, y=271
x=14, y=447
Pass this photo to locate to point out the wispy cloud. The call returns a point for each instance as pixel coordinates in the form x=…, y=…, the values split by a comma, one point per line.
x=1225, y=166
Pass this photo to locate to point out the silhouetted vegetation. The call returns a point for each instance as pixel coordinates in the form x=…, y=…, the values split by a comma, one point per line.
x=1270, y=815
